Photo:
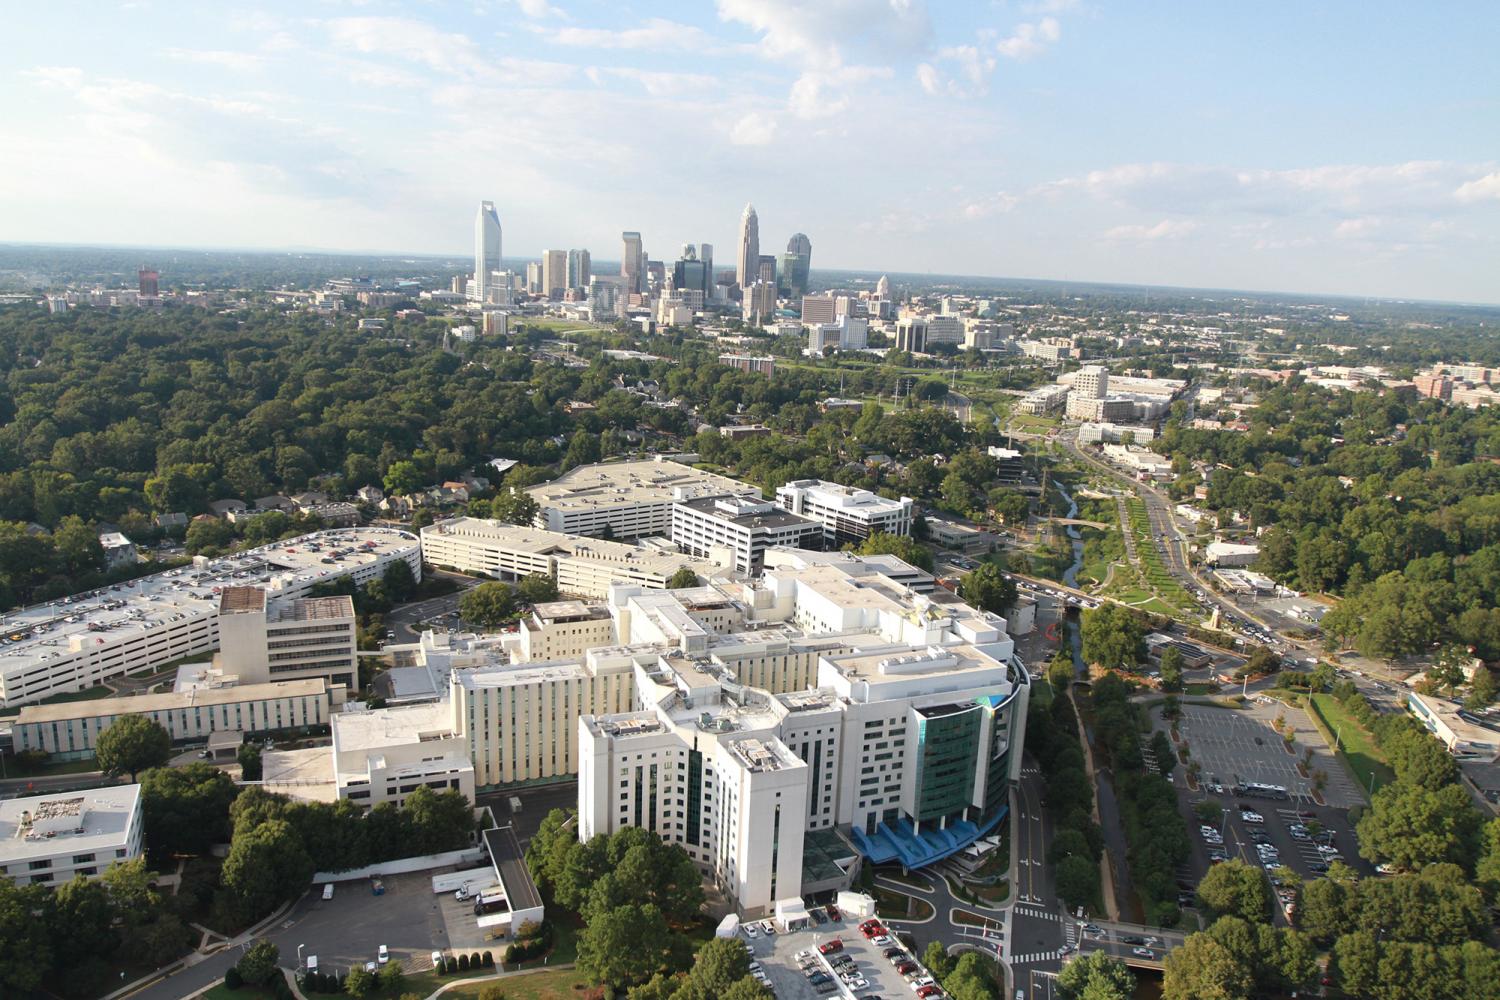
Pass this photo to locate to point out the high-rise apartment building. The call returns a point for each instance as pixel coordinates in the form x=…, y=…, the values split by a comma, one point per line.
x=486, y=248
x=579, y=270
x=554, y=273
x=633, y=262
x=747, y=265
x=534, y=277
x=766, y=271
x=150, y=283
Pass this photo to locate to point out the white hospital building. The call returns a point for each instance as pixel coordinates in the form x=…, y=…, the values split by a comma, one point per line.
x=582, y=567
x=77, y=642
x=630, y=499
x=778, y=729
x=49, y=839
x=847, y=514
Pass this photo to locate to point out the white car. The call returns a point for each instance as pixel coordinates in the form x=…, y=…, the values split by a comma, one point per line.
x=752, y=931
x=437, y=960
x=383, y=955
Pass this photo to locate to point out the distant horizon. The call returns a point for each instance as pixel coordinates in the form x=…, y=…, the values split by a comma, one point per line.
x=1304, y=147
x=463, y=257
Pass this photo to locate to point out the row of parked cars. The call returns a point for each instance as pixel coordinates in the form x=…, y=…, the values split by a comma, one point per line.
x=831, y=960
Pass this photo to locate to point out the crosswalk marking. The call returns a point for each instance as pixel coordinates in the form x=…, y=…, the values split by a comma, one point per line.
x=1038, y=914
x=1036, y=956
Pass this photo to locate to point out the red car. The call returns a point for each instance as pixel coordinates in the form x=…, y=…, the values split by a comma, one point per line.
x=829, y=947
x=871, y=929
x=930, y=991
x=833, y=912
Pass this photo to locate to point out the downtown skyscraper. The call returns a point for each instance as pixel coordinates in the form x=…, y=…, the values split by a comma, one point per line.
x=747, y=264
x=632, y=262
x=486, y=249
x=795, y=264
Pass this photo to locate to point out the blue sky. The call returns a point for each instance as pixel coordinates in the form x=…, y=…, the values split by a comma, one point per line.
x=1334, y=147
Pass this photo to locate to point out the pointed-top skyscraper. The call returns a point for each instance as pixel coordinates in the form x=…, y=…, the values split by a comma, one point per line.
x=486, y=249
x=747, y=265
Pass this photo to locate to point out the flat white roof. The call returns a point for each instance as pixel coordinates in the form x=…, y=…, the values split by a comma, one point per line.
x=617, y=483
x=846, y=497
x=42, y=632
x=106, y=815
x=388, y=727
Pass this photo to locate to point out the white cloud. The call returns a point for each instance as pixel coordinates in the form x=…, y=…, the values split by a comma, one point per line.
x=1049, y=6
x=447, y=53
x=1480, y=189
x=797, y=28
x=819, y=37
x=1030, y=39
x=657, y=84
x=972, y=68
x=657, y=34
x=1360, y=228
x=754, y=129
x=825, y=93
x=148, y=124
x=996, y=204
x=1417, y=187
x=238, y=61
x=538, y=9
x=930, y=79
x=1166, y=229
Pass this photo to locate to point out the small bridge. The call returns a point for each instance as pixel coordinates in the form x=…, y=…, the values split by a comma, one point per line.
x=1075, y=520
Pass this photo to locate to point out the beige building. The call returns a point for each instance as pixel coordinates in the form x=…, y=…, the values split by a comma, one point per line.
x=582, y=567
x=307, y=637
x=71, y=729
x=383, y=755
x=564, y=629
x=630, y=499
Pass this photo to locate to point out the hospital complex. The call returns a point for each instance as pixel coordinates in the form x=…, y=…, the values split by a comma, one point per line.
x=797, y=710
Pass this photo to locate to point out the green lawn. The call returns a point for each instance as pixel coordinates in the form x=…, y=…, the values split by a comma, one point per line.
x=1355, y=745
x=555, y=984
x=222, y=992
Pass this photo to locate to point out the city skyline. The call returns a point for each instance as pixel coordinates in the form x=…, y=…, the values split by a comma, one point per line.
x=1047, y=140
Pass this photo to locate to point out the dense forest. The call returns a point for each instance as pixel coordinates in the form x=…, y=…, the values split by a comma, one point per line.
x=1387, y=499
x=121, y=415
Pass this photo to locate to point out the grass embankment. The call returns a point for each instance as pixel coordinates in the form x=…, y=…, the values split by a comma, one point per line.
x=1354, y=744
x=554, y=984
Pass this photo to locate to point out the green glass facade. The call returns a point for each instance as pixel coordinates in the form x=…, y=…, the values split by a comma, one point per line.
x=946, y=752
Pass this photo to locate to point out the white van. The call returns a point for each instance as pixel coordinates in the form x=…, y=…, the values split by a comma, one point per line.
x=328, y=891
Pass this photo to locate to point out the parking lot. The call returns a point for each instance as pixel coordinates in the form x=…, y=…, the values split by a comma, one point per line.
x=1240, y=746
x=349, y=929
x=778, y=955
